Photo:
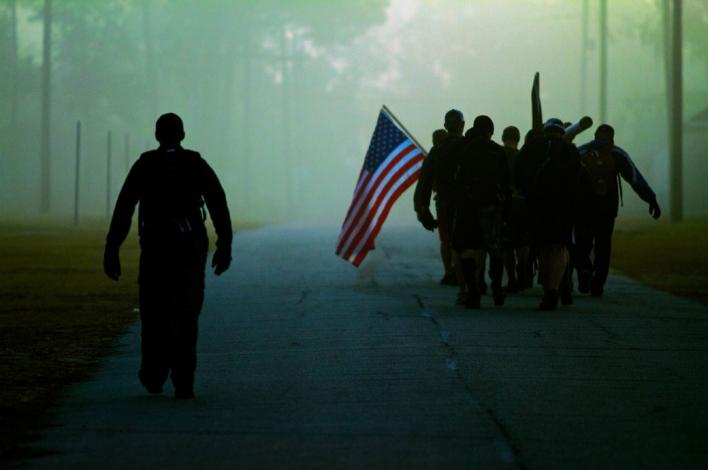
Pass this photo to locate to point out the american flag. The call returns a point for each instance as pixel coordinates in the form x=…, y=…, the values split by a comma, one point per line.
x=392, y=164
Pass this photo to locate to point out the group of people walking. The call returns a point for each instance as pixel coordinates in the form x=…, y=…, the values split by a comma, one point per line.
x=548, y=208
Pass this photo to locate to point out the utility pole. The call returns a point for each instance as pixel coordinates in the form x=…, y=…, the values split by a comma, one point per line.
x=584, y=45
x=287, y=141
x=127, y=152
x=247, y=118
x=78, y=173
x=108, y=176
x=12, y=152
x=46, y=109
x=603, y=61
x=676, y=122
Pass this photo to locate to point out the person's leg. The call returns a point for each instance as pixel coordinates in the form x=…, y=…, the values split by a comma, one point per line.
x=496, y=272
x=523, y=267
x=553, y=260
x=449, y=277
x=603, y=252
x=188, y=295
x=154, y=346
x=481, y=268
x=459, y=276
x=471, y=266
x=583, y=248
x=183, y=329
x=510, y=267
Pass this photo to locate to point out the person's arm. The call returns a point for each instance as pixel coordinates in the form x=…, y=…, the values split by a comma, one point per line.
x=423, y=191
x=121, y=221
x=630, y=173
x=521, y=169
x=215, y=199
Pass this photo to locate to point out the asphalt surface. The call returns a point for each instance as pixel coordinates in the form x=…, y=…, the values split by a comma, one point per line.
x=307, y=362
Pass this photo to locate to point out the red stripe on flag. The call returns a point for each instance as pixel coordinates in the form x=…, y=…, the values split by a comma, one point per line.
x=364, y=178
x=382, y=196
x=373, y=208
x=363, y=208
x=368, y=246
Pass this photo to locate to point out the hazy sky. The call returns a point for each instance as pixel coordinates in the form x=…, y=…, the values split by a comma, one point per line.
x=282, y=97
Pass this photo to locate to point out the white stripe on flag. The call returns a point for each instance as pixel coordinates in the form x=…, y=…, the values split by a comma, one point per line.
x=362, y=242
x=377, y=188
x=372, y=180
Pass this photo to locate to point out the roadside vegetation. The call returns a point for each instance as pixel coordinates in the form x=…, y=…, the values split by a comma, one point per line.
x=58, y=316
x=669, y=257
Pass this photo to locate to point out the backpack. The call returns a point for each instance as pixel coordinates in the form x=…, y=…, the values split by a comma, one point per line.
x=477, y=176
x=599, y=165
x=172, y=203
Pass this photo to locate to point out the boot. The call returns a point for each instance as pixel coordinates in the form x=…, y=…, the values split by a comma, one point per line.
x=469, y=270
x=549, y=301
x=584, y=278
x=565, y=295
x=449, y=279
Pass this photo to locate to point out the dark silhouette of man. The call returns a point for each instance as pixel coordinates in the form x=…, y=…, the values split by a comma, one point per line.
x=172, y=184
x=604, y=163
x=518, y=239
x=549, y=175
x=482, y=186
x=436, y=175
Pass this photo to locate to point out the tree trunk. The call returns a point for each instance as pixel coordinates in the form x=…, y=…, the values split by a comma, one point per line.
x=150, y=69
x=285, y=111
x=603, y=61
x=13, y=128
x=676, y=122
x=46, y=109
x=584, y=57
x=246, y=57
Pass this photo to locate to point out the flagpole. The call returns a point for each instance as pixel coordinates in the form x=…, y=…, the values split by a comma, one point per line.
x=403, y=128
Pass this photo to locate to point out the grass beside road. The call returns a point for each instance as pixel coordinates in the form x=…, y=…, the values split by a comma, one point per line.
x=58, y=315
x=669, y=257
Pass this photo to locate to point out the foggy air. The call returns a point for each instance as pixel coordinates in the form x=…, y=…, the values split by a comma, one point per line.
x=281, y=97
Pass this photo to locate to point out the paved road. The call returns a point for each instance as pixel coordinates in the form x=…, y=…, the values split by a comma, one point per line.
x=306, y=362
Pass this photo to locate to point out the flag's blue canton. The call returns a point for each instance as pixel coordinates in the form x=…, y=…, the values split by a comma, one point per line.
x=386, y=138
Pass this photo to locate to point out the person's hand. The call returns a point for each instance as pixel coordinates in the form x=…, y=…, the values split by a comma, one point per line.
x=111, y=262
x=221, y=261
x=654, y=209
x=427, y=220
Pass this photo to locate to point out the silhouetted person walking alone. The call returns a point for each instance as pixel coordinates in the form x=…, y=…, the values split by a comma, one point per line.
x=172, y=185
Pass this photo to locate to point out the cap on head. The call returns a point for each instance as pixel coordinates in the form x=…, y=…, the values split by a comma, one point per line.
x=454, y=116
x=554, y=125
x=483, y=125
x=511, y=133
x=605, y=132
x=169, y=128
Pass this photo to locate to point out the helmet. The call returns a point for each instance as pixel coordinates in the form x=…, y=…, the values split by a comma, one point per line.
x=554, y=124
